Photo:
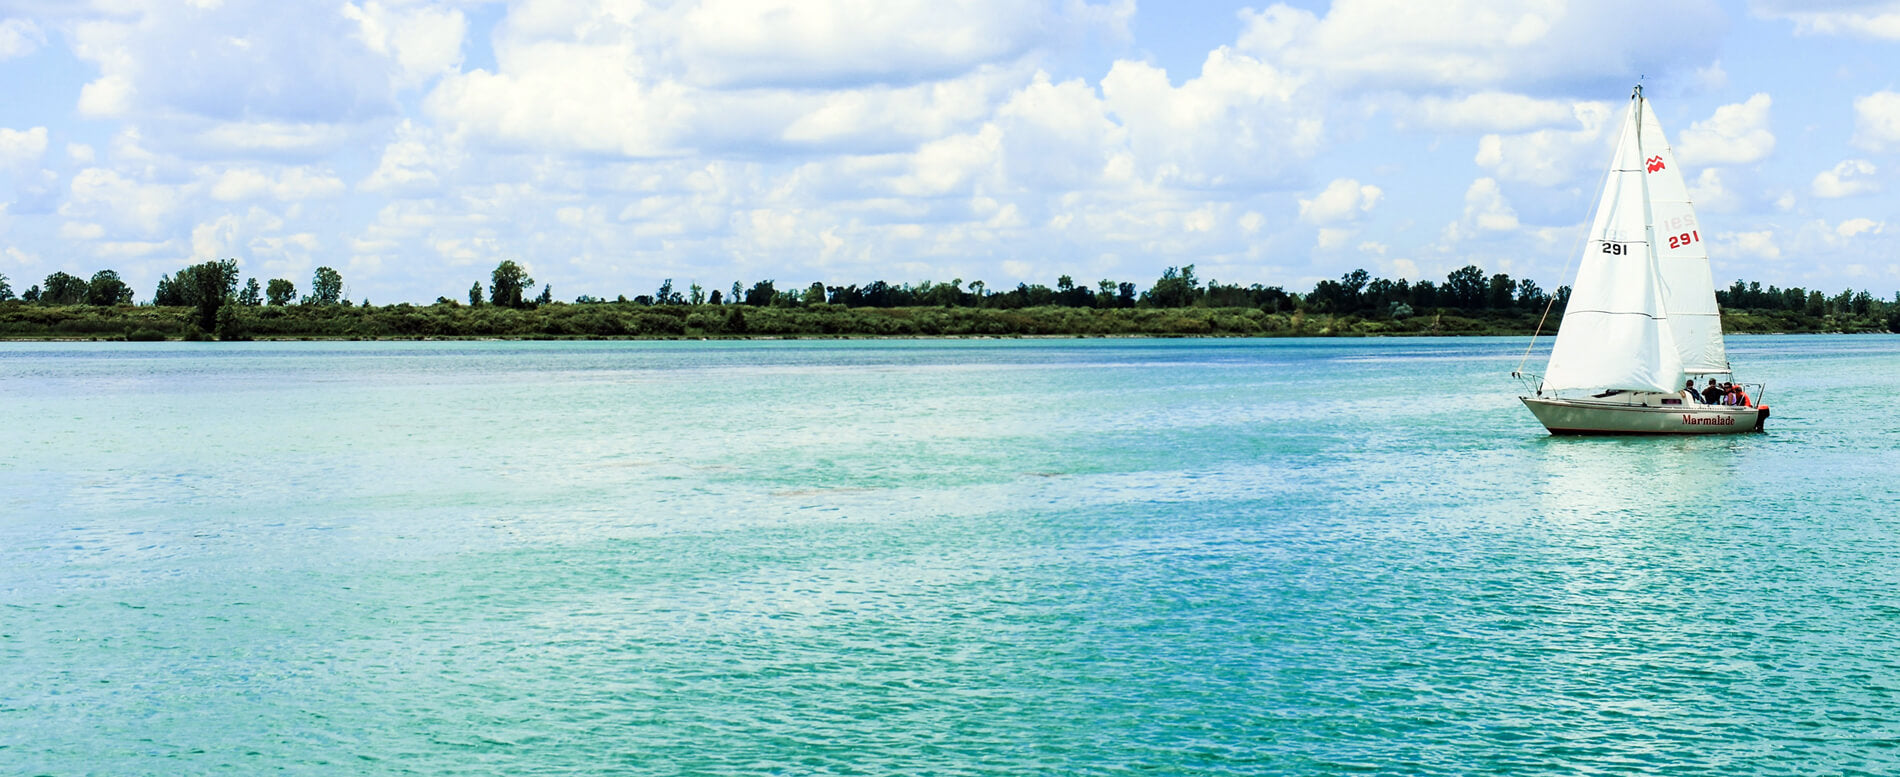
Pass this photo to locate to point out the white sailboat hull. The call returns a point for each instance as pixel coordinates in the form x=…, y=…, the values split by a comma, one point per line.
x=1594, y=416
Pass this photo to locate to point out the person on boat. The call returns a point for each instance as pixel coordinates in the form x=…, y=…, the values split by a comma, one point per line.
x=1739, y=396
x=1688, y=391
x=1712, y=394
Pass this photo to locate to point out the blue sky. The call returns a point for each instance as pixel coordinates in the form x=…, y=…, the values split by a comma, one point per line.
x=611, y=144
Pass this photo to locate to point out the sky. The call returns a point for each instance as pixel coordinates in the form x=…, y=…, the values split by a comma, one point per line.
x=609, y=145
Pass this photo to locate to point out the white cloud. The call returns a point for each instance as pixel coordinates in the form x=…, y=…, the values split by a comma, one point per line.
x=134, y=249
x=81, y=230
x=1343, y=200
x=21, y=150
x=951, y=164
x=830, y=43
x=1237, y=123
x=1482, y=44
x=291, y=184
x=1847, y=179
x=572, y=96
x=1058, y=136
x=1710, y=79
x=1760, y=245
x=1877, y=122
x=413, y=162
x=269, y=137
x=1486, y=210
x=1878, y=20
x=1552, y=157
x=883, y=118
x=719, y=76
x=1486, y=111
x=108, y=97
x=1851, y=227
x=1736, y=135
x=1710, y=192
x=19, y=37
x=241, y=60
x=1332, y=238
x=425, y=42
x=129, y=206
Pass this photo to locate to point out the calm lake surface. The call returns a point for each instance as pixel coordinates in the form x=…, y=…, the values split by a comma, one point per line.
x=932, y=557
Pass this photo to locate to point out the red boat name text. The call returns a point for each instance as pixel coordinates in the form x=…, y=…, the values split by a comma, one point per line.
x=1708, y=420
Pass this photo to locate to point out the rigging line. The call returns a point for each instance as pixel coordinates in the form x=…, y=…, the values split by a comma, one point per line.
x=1576, y=252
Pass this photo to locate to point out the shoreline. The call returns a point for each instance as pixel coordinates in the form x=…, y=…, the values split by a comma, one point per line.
x=624, y=321
x=839, y=337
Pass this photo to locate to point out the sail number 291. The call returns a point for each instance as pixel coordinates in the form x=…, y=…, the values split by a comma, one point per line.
x=1675, y=241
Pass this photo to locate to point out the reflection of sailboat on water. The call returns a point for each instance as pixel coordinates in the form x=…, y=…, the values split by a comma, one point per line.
x=1642, y=319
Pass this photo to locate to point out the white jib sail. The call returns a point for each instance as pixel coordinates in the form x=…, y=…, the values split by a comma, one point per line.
x=1688, y=286
x=1615, y=332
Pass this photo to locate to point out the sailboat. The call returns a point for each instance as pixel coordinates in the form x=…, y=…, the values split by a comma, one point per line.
x=1641, y=326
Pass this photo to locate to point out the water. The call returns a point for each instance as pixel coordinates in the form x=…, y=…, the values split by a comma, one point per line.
x=923, y=557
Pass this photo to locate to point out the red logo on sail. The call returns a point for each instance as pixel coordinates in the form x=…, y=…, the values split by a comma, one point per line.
x=1655, y=163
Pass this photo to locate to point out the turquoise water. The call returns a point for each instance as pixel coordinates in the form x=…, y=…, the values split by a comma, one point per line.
x=924, y=557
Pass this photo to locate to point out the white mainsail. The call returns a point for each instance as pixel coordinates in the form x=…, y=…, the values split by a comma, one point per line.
x=1682, y=258
x=1616, y=331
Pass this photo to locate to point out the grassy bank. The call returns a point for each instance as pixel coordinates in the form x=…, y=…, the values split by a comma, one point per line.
x=617, y=320
x=628, y=320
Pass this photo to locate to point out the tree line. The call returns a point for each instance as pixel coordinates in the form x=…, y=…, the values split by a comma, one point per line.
x=221, y=303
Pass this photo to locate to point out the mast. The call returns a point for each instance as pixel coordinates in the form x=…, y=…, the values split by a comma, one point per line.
x=1642, y=159
x=1649, y=233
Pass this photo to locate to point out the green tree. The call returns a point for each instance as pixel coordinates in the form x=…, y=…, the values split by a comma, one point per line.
x=1500, y=292
x=697, y=295
x=546, y=298
x=326, y=286
x=761, y=294
x=106, y=290
x=252, y=295
x=63, y=289
x=508, y=283
x=210, y=286
x=815, y=294
x=32, y=294
x=229, y=325
x=1465, y=287
x=1177, y=288
x=279, y=292
x=1530, y=296
x=6, y=289
x=737, y=296
x=475, y=295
